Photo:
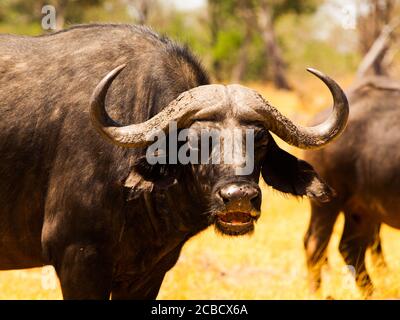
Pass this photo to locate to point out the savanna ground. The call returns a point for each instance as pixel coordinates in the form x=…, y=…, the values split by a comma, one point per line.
x=269, y=264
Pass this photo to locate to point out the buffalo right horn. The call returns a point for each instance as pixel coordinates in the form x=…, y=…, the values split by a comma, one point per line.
x=307, y=137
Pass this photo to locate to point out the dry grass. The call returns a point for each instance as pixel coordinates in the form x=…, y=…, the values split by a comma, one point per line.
x=269, y=264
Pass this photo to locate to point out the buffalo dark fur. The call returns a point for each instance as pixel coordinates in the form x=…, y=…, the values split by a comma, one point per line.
x=108, y=222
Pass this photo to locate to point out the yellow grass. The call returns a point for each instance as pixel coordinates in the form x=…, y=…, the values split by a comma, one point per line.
x=269, y=264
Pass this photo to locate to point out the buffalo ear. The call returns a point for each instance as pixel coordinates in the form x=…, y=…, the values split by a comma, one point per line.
x=286, y=173
x=145, y=178
x=152, y=172
x=158, y=171
x=135, y=186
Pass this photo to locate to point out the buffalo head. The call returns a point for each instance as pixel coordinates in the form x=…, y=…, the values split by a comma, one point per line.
x=234, y=198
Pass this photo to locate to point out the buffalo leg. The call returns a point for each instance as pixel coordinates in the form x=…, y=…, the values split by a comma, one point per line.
x=377, y=256
x=149, y=291
x=323, y=217
x=358, y=234
x=84, y=272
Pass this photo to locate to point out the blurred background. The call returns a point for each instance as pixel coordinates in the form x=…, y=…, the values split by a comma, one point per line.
x=266, y=44
x=237, y=40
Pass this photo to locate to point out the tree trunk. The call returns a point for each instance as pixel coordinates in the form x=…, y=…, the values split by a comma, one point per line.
x=60, y=13
x=276, y=63
x=374, y=60
x=373, y=42
x=246, y=12
x=143, y=8
x=214, y=29
x=240, y=68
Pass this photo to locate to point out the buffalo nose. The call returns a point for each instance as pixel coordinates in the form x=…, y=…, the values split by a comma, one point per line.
x=233, y=193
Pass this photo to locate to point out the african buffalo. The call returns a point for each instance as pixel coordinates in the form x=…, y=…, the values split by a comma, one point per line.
x=362, y=166
x=76, y=190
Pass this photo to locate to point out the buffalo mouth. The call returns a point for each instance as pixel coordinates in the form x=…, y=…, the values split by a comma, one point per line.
x=235, y=223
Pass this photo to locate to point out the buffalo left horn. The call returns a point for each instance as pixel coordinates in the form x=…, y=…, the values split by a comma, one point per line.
x=181, y=110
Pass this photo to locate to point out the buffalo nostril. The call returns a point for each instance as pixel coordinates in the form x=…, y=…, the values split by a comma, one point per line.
x=234, y=193
x=225, y=196
x=253, y=195
x=255, y=198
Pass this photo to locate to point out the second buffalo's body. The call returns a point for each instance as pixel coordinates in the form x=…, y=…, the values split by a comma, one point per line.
x=362, y=166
